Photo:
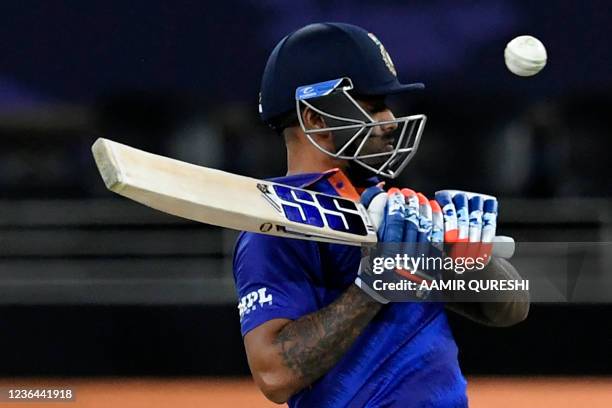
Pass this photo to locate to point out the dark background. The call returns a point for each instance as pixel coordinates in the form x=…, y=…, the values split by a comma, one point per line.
x=91, y=284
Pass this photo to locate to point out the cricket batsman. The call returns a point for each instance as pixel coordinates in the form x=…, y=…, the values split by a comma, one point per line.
x=316, y=331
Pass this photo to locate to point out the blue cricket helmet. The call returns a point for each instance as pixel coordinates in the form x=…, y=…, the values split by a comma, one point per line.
x=321, y=52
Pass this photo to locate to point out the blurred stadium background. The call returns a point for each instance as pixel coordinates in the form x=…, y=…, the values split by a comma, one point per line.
x=139, y=307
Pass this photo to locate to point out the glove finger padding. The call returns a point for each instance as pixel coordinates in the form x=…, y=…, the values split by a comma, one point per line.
x=489, y=226
x=437, y=224
x=449, y=215
x=425, y=219
x=393, y=228
x=375, y=200
x=463, y=217
x=475, y=207
x=425, y=225
x=411, y=216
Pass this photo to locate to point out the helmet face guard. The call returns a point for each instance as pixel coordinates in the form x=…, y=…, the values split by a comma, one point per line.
x=353, y=127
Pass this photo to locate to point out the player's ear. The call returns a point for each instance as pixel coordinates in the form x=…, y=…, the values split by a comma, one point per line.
x=312, y=119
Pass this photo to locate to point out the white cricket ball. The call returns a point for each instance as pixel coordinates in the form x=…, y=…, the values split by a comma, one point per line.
x=525, y=55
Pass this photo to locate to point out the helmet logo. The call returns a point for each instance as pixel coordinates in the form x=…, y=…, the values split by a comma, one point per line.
x=385, y=55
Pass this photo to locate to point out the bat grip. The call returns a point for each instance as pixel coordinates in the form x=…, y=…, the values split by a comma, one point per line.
x=503, y=247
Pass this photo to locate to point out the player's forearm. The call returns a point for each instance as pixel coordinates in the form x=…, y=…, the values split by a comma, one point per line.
x=512, y=307
x=506, y=312
x=313, y=344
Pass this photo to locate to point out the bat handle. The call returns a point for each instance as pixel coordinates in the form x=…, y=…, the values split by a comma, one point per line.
x=503, y=247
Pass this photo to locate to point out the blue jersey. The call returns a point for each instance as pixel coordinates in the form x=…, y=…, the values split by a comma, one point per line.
x=405, y=357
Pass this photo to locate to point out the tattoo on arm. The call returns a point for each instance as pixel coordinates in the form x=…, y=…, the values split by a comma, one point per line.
x=311, y=345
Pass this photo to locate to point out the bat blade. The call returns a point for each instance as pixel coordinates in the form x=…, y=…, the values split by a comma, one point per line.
x=228, y=200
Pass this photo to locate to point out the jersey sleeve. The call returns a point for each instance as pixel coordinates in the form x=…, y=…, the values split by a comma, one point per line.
x=274, y=278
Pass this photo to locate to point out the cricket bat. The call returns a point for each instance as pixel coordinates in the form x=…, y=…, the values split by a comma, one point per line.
x=232, y=201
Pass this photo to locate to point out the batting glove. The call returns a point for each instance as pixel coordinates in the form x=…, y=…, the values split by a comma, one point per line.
x=403, y=219
x=470, y=223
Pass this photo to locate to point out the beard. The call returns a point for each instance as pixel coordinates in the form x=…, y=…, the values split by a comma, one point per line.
x=377, y=144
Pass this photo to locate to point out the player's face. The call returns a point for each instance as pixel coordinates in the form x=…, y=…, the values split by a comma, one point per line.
x=383, y=137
